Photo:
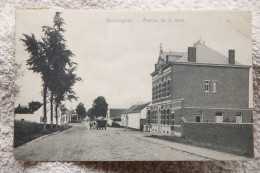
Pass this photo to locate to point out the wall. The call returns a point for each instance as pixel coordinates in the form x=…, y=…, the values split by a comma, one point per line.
x=143, y=114
x=36, y=117
x=229, y=115
x=134, y=120
x=232, y=86
x=27, y=117
x=236, y=138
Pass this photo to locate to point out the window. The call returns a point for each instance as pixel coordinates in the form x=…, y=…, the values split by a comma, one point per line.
x=159, y=91
x=156, y=92
x=239, y=117
x=164, y=89
x=198, y=119
x=168, y=87
x=214, y=87
x=219, y=117
x=206, y=86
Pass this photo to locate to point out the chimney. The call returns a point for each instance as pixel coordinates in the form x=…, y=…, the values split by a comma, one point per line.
x=167, y=58
x=155, y=65
x=192, y=54
x=231, y=56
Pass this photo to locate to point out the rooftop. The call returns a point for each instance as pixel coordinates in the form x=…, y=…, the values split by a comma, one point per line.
x=204, y=54
x=116, y=113
x=137, y=108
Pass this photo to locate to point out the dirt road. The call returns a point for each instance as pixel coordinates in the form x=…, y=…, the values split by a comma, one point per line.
x=114, y=144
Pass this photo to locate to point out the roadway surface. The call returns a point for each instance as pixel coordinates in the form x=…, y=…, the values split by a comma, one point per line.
x=114, y=144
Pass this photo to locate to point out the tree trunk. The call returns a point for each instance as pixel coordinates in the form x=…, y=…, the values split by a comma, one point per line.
x=44, y=107
x=56, y=113
x=51, y=102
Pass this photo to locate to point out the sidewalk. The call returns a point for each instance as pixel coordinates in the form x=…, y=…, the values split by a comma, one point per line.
x=202, y=152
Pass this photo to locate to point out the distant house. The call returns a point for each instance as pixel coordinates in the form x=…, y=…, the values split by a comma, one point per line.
x=37, y=117
x=114, y=115
x=135, y=117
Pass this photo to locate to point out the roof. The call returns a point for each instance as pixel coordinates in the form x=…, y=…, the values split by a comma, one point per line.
x=137, y=108
x=204, y=54
x=116, y=113
x=172, y=56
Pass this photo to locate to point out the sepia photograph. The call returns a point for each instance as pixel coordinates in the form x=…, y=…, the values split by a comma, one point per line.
x=133, y=85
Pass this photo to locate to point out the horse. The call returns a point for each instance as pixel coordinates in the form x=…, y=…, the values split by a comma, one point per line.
x=92, y=124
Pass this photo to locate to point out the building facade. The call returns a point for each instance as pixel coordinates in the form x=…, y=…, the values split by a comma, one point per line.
x=200, y=85
x=37, y=117
x=135, y=117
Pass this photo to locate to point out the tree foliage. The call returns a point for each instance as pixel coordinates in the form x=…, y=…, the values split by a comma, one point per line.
x=52, y=60
x=30, y=109
x=34, y=105
x=100, y=106
x=81, y=110
x=22, y=110
x=91, y=114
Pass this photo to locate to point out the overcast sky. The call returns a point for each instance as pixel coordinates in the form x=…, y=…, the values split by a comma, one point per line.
x=115, y=59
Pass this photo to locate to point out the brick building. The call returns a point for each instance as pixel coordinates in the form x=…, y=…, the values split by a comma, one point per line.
x=200, y=85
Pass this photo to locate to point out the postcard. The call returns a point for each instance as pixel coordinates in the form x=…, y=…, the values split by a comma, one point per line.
x=133, y=85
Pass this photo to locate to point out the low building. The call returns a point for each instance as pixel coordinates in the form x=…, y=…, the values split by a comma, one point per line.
x=114, y=114
x=37, y=117
x=135, y=117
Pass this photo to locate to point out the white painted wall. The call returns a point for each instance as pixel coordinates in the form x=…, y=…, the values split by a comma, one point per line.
x=143, y=113
x=27, y=117
x=134, y=120
x=123, y=120
x=37, y=115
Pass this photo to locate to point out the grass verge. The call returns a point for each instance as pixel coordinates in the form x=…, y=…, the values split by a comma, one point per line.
x=25, y=131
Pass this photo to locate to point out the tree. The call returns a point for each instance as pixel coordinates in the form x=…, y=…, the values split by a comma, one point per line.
x=59, y=57
x=51, y=58
x=81, y=110
x=38, y=63
x=34, y=106
x=22, y=110
x=91, y=114
x=64, y=91
x=100, y=106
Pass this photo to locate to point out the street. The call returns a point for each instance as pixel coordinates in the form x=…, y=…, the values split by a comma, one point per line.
x=114, y=144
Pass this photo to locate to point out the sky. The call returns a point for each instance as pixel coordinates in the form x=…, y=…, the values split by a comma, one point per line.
x=116, y=50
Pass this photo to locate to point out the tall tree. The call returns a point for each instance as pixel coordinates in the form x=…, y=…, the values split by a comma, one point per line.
x=59, y=57
x=81, y=110
x=50, y=57
x=100, y=106
x=38, y=63
x=65, y=91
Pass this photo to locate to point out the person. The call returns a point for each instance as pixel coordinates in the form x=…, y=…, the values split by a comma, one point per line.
x=126, y=122
x=90, y=125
